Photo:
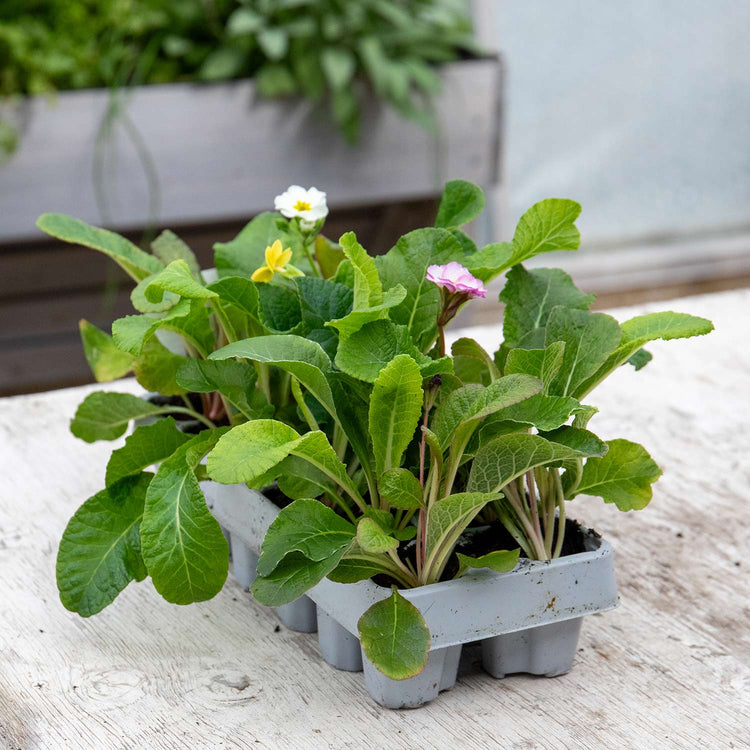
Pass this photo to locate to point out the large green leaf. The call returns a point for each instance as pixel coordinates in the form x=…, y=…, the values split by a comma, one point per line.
x=357, y=318
x=176, y=278
x=168, y=247
x=401, y=489
x=148, y=445
x=589, y=340
x=395, y=637
x=395, y=408
x=446, y=521
x=640, y=330
x=541, y=363
x=131, y=258
x=307, y=527
x=368, y=290
x=232, y=378
x=323, y=300
x=371, y=537
x=156, y=368
x=238, y=292
x=406, y=264
x=462, y=201
x=100, y=550
x=250, y=450
x=304, y=359
x=530, y=296
x=279, y=309
x=144, y=305
x=106, y=361
x=547, y=226
x=183, y=546
x=543, y=412
x=365, y=353
x=105, y=415
x=471, y=363
x=506, y=457
x=490, y=261
x=623, y=476
x=292, y=577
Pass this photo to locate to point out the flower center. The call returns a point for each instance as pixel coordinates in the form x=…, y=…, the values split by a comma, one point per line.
x=301, y=206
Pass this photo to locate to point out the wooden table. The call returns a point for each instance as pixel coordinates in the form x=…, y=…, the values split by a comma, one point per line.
x=669, y=669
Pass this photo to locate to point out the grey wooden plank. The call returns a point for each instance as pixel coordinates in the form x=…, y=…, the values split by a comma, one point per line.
x=221, y=152
x=668, y=669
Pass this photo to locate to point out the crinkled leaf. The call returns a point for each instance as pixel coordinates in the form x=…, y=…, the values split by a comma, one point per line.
x=168, y=247
x=501, y=561
x=590, y=338
x=357, y=318
x=541, y=363
x=368, y=290
x=239, y=292
x=279, y=309
x=372, y=538
x=623, y=476
x=547, y=226
x=131, y=258
x=580, y=440
x=149, y=444
x=322, y=300
x=395, y=637
x=490, y=261
x=462, y=202
x=401, y=489
x=176, y=278
x=530, y=296
x=156, y=368
x=395, y=408
x=106, y=361
x=543, y=412
x=307, y=527
x=100, y=550
x=184, y=548
x=144, y=305
x=106, y=415
x=471, y=363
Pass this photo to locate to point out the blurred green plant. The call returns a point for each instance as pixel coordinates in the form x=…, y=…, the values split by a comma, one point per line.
x=313, y=48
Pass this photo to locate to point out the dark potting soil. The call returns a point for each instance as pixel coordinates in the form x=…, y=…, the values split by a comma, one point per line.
x=185, y=422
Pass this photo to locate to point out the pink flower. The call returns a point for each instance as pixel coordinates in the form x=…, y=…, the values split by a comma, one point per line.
x=456, y=279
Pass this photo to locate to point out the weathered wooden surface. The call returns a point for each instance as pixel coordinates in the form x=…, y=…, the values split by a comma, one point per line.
x=220, y=151
x=669, y=669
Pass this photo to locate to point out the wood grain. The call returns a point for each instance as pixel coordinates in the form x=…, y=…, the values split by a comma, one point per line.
x=669, y=669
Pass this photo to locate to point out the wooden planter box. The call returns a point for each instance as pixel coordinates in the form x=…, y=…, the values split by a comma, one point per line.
x=220, y=152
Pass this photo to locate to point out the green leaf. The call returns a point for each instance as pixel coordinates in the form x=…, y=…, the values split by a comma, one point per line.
x=589, y=339
x=580, y=440
x=338, y=64
x=141, y=303
x=148, y=445
x=275, y=79
x=541, y=363
x=304, y=359
x=243, y=21
x=462, y=202
x=106, y=361
x=640, y=359
x=358, y=565
x=447, y=519
x=168, y=247
x=274, y=42
x=329, y=255
x=501, y=561
x=395, y=637
x=395, y=408
x=372, y=538
x=401, y=489
x=105, y=415
x=368, y=290
x=472, y=363
x=508, y=456
x=234, y=380
x=184, y=548
x=239, y=292
x=543, y=412
x=406, y=265
x=307, y=527
x=490, y=261
x=250, y=450
x=131, y=258
x=640, y=330
x=547, y=226
x=279, y=309
x=365, y=353
x=292, y=577
x=623, y=476
x=156, y=368
x=530, y=297
x=100, y=550
x=322, y=300
x=178, y=279
x=357, y=318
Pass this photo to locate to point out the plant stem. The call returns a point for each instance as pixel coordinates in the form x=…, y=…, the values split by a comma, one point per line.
x=409, y=579
x=184, y=410
x=511, y=495
x=560, y=516
x=513, y=530
x=311, y=261
x=533, y=503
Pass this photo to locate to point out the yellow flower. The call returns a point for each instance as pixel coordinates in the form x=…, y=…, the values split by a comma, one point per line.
x=276, y=259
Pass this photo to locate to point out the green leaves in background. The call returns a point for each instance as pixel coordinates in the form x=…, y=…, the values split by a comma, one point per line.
x=461, y=202
x=168, y=247
x=395, y=407
x=106, y=361
x=183, y=546
x=395, y=637
x=100, y=550
x=106, y=415
x=149, y=444
x=132, y=259
x=623, y=476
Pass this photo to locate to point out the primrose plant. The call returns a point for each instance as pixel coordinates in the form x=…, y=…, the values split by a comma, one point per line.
x=391, y=453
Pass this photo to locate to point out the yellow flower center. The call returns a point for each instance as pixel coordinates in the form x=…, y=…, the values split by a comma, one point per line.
x=302, y=206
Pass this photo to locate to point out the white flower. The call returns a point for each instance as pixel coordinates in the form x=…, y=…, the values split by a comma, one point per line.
x=310, y=205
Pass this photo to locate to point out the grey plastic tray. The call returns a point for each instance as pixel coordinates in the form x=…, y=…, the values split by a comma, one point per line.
x=527, y=620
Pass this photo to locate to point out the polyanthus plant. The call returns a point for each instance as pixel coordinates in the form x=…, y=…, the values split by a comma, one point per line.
x=396, y=448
